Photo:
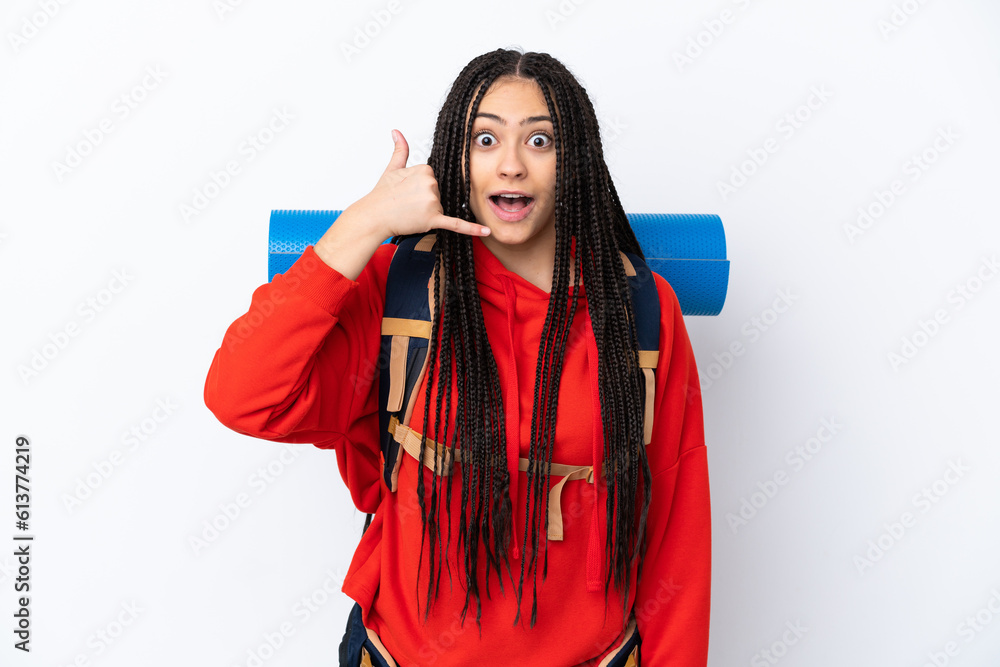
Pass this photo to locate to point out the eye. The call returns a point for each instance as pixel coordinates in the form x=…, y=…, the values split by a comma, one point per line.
x=541, y=140
x=484, y=138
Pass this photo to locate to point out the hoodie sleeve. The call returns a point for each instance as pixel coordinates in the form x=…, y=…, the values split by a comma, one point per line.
x=673, y=595
x=301, y=365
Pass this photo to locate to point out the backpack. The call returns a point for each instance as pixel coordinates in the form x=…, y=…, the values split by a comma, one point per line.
x=406, y=332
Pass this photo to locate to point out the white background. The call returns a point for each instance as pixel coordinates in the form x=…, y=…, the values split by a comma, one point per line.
x=674, y=131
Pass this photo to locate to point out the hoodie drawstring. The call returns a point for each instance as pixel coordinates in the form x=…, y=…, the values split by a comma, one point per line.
x=513, y=416
x=593, y=551
x=513, y=411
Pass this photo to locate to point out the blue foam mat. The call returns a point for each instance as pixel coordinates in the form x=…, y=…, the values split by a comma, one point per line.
x=687, y=249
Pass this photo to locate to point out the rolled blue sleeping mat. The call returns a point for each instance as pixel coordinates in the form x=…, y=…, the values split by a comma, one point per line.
x=687, y=249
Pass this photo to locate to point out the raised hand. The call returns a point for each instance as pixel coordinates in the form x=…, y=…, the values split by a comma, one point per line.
x=406, y=200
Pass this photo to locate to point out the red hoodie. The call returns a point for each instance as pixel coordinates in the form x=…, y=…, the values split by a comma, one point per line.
x=302, y=366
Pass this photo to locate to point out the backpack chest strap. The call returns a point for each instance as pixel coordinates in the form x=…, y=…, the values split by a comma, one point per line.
x=438, y=459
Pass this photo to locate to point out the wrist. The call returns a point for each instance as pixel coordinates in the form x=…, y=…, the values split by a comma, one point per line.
x=349, y=243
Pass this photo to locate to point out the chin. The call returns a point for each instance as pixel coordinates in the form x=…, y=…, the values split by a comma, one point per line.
x=508, y=233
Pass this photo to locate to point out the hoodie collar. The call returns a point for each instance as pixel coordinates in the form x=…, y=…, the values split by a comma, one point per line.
x=494, y=269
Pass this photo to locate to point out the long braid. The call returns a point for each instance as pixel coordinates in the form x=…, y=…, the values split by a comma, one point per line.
x=616, y=392
x=548, y=372
x=591, y=228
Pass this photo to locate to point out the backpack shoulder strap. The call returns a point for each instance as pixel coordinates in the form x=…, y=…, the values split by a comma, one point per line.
x=646, y=306
x=406, y=332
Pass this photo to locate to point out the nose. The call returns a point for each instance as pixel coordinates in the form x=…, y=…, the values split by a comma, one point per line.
x=511, y=163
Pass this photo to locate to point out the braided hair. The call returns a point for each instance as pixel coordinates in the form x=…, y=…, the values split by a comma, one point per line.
x=588, y=214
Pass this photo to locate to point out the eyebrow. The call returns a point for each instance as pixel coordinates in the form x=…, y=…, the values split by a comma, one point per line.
x=529, y=119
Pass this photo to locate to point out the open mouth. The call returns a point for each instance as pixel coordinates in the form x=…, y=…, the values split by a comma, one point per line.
x=511, y=204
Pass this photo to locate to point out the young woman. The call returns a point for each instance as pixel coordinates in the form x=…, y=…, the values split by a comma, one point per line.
x=533, y=389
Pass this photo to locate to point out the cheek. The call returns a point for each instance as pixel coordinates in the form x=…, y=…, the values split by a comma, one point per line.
x=546, y=170
x=476, y=204
x=477, y=175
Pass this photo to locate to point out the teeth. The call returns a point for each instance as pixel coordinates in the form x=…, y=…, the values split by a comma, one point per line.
x=511, y=196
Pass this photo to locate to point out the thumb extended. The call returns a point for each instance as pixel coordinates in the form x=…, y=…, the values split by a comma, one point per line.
x=400, y=153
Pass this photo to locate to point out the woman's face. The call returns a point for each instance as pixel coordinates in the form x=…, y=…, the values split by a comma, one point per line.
x=513, y=153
